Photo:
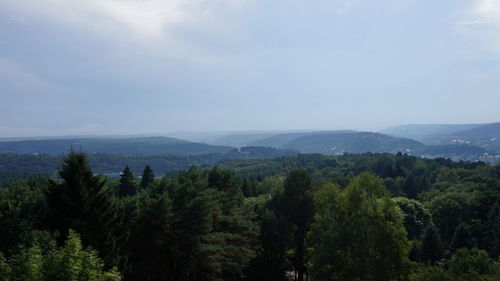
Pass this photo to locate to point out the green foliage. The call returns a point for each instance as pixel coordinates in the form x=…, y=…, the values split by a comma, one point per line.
x=493, y=233
x=416, y=217
x=127, y=186
x=432, y=247
x=147, y=177
x=249, y=223
x=431, y=273
x=358, y=233
x=298, y=210
x=70, y=262
x=471, y=265
x=83, y=202
x=22, y=208
x=150, y=225
x=462, y=238
x=448, y=211
x=415, y=253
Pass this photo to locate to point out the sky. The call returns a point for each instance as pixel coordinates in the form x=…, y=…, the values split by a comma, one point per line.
x=93, y=67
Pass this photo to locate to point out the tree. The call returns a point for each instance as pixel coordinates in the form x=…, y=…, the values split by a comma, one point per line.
x=147, y=177
x=232, y=230
x=127, y=185
x=416, y=217
x=470, y=265
x=493, y=235
x=70, y=262
x=462, y=238
x=149, y=245
x=358, y=233
x=448, y=210
x=298, y=211
x=415, y=251
x=411, y=187
x=432, y=247
x=83, y=202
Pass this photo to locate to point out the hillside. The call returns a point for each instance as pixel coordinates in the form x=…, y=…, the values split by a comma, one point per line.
x=360, y=142
x=127, y=146
x=456, y=152
x=240, y=140
x=425, y=132
x=281, y=140
x=19, y=165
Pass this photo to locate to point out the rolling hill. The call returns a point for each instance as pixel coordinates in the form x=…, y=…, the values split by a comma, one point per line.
x=126, y=146
x=426, y=132
x=358, y=142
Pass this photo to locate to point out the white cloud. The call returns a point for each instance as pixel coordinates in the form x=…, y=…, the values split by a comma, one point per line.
x=146, y=18
x=480, y=26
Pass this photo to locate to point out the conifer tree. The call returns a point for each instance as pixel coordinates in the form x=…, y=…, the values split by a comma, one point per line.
x=461, y=238
x=147, y=177
x=151, y=236
x=127, y=185
x=298, y=207
x=83, y=202
x=415, y=251
x=493, y=235
x=411, y=187
x=432, y=247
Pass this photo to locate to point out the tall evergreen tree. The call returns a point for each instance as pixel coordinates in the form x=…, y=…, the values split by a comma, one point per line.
x=411, y=187
x=147, y=177
x=493, y=235
x=432, y=247
x=149, y=245
x=83, y=202
x=462, y=238
x=127, y=185
x=415, y=251
x=232, y=230
x=298, y=207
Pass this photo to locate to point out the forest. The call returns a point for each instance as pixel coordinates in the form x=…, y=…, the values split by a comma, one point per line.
x=307, y=217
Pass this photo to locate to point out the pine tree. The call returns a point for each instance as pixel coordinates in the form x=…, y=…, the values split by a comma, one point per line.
x=127, y=186
x=83, y=202
x=410, y=186
x=232, y=230
x=151, y=236
x=493, y=236
x=461, y=238
x=298, y=207
x=415, y=251
x=432, y=247
x=147, y=177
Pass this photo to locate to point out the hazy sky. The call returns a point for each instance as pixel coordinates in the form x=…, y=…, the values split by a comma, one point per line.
x=150, y=66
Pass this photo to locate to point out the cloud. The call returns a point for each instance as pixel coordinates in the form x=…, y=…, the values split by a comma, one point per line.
x=480, y=26
x=142, y=18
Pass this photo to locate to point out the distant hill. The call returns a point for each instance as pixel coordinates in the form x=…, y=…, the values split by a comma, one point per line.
x=358, y=142
x=422, y=132
x=14, y=166
x=240, y=140
x=280, y=140
x=487, y=137
x=126, y=146
x=455, y=152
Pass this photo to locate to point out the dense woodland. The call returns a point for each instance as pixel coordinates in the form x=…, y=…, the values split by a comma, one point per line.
x=305, y=217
